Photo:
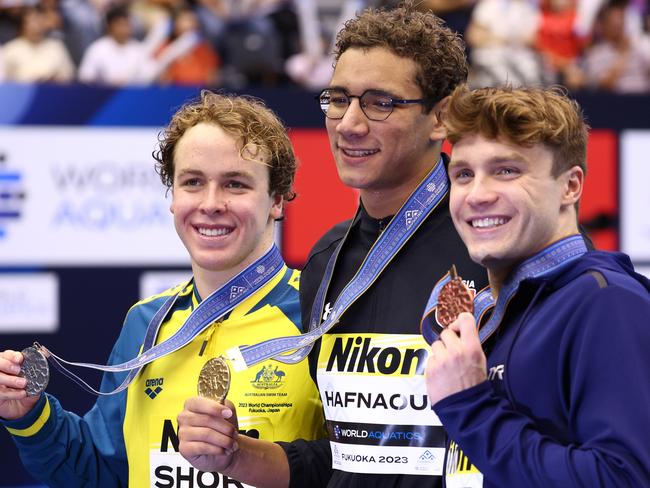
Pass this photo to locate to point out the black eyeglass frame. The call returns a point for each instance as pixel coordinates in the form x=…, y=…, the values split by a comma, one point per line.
x=394, y=102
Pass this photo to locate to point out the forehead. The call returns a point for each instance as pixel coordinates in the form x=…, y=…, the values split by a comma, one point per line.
x=211, y=148
x=477, y=149
x=360, y=69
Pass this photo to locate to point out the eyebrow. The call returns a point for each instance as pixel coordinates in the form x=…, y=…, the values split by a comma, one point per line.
x=510, y=157
x=237, y=174
x=227, y=174
x=188, y=171
x=373, y=89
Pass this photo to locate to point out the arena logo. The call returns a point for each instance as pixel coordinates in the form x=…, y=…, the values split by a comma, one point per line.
x=154, y=387
x=268, y=378
x=12, y=195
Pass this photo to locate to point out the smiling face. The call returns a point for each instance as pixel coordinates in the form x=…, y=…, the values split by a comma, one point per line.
x=222, y=208
x=505, y=203
x=385, y=159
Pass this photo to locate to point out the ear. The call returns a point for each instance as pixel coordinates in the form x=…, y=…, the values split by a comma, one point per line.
x=439, y=131
x=171, y=204
x=277, y=208
x=574, y=179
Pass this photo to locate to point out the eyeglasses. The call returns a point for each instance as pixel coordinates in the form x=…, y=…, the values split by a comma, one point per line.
x=375, y=104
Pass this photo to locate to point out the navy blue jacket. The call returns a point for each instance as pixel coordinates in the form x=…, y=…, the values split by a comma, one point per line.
x=568, y=397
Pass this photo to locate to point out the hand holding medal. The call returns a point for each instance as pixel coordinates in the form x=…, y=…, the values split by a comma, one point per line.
x=23, y=378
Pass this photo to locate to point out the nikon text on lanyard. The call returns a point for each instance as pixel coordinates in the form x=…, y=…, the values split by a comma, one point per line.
x=549, y=260
x=214, y=307
x=413, y=213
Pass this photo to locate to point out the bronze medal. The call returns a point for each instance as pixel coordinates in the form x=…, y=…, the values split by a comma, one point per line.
x=35, y=369
x=214, y=379
x=454, y=299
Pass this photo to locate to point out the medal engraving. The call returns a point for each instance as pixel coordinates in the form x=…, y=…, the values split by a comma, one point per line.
x=35, y=370
x=214, y=379
x=454, y=299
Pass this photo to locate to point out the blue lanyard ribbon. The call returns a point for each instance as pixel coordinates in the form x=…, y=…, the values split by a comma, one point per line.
x=548, y=261
x=402, y=226
x=213, y=308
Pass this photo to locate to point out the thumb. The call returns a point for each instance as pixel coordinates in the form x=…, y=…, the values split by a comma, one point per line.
x=465, y=326
x=230, y=412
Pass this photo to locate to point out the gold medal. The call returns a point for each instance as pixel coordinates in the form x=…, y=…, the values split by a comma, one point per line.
x=214, y=379
x=454, y=299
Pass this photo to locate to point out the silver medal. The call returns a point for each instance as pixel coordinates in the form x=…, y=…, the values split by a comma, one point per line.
x=36, y=370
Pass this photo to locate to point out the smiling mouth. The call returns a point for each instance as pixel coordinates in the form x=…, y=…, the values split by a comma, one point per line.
x=221, y=231
x=488, y=222
x=359, y=153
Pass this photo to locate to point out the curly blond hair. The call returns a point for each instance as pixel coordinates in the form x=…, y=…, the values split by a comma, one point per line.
x=262, y=136
x=522, y=116
x=413, y=34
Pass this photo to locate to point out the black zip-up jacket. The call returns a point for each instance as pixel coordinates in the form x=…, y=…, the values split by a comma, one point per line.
x=393, y=304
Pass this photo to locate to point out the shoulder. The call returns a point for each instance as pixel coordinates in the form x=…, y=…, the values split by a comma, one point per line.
x=14, y=46
x=603, y=287
x=283, y=296
x=329, y=240
x=146, y=308
x=324, y=247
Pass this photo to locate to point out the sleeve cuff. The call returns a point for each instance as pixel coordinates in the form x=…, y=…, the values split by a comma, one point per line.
x=32, y=423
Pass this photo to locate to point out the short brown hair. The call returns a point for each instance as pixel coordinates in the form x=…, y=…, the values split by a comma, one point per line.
x=409, y=33
x=522, y=116
x=262, y=136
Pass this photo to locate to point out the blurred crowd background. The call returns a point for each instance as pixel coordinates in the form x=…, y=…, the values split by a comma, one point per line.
x=583, y=44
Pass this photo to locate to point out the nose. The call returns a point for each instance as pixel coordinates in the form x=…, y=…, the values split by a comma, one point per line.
x=481, y=192
x=213, y=201
x=354, y=121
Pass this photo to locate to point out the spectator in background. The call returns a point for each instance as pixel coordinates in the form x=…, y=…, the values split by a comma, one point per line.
x=559, y=43
x=9, y=21
x=198, y=66
x=318, y=23
x=587, y=13
x=33, y=57
x=616, y=61
x=147, y=14
x=501, y=35
x=456, y=13
x=251, y=45
x=83, y=24
x=119, y=59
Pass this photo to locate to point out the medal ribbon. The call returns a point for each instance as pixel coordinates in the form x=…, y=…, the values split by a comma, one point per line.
x=402, y=226
x=214, y=307
x=548, y=261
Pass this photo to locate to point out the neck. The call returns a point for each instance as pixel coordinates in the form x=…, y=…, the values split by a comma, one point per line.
x=208, y=281
x=379, y=204
x=496, y=277
x=387, y=201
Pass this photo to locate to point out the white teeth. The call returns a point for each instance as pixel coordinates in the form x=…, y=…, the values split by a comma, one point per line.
x=222, y=231
x=488, y=222
x=360, y=152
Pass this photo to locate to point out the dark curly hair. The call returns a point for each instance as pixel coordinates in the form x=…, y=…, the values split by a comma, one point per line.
x=263, y=137
x=413, y=34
